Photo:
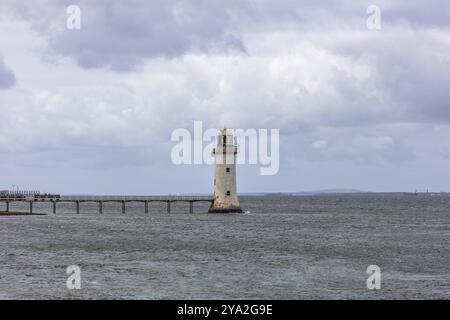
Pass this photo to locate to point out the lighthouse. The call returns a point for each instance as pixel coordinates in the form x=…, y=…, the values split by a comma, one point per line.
x=225, y=196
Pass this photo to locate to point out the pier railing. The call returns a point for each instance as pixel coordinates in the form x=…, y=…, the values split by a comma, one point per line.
x=136, y=198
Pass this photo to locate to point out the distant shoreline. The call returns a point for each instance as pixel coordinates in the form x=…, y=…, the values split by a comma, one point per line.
x=361, y=193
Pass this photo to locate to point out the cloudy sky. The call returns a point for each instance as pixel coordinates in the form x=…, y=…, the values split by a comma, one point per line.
x=92, y=110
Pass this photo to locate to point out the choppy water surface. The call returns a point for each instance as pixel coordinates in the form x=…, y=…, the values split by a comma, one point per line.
x=286, y=248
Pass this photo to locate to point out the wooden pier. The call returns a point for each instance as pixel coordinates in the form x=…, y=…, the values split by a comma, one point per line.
x=123, y=200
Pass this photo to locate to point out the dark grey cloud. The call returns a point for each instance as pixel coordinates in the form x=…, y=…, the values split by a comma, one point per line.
x=434, y=13
x=7, y=77
x=120, y=34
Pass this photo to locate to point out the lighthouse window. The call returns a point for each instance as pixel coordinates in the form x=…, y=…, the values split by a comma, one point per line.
x=228, y=193
x=228, y=169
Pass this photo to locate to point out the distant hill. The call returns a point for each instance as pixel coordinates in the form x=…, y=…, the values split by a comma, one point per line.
x=327, y=191
x=306, y=193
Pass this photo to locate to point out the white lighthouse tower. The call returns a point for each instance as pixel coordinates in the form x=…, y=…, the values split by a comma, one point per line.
x=225, y=195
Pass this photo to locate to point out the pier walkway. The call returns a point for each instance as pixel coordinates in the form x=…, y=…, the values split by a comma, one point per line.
x=118, y=199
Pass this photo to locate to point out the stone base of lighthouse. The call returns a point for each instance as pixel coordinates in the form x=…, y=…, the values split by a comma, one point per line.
x=222, y=207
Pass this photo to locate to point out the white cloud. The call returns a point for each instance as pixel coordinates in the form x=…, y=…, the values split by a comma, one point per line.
x=319, y=144
x=7, y=77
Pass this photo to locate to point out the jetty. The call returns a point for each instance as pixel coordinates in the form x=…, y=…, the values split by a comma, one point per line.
x=100, y=200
